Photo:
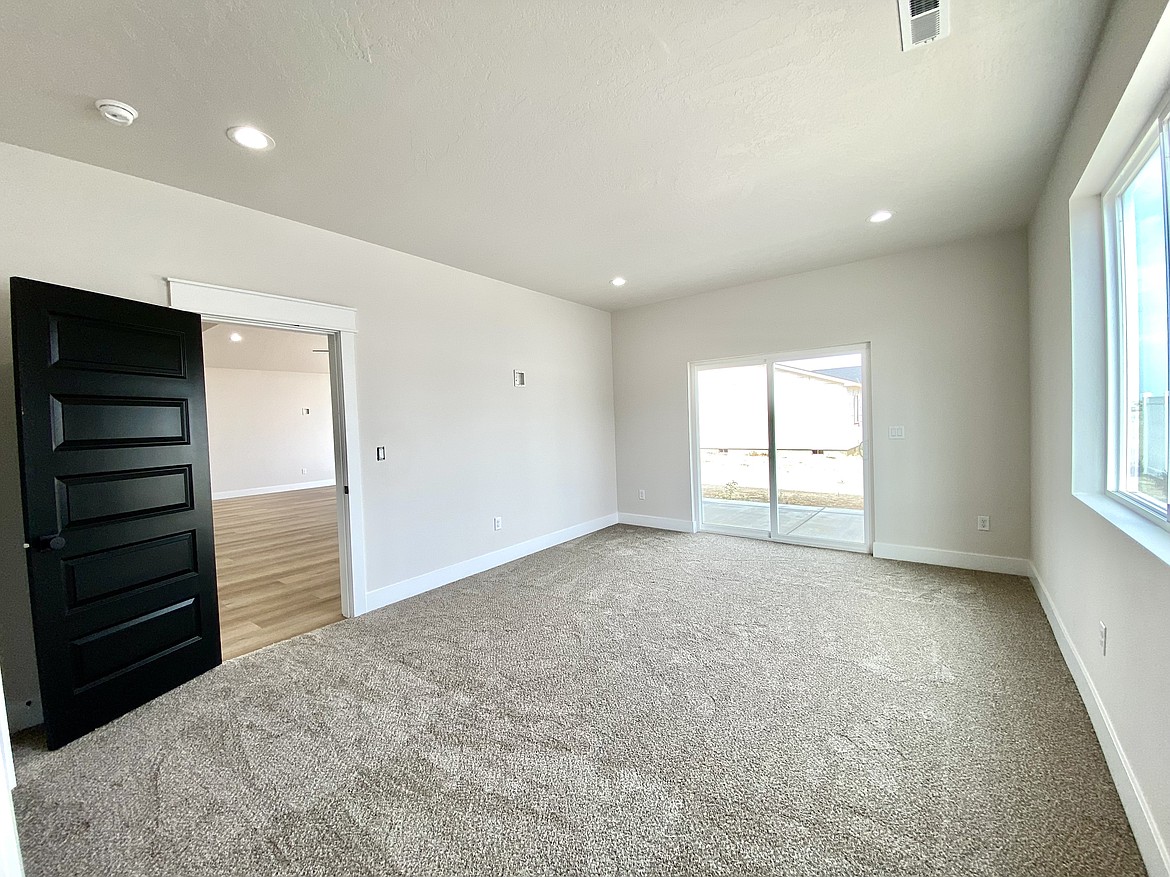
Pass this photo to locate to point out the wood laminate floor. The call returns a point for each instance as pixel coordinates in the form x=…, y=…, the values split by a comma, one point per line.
x=277, y=564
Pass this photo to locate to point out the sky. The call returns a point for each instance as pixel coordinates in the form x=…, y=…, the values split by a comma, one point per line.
x=1143, y=210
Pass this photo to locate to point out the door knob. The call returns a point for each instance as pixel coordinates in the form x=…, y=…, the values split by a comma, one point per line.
x=49, y=543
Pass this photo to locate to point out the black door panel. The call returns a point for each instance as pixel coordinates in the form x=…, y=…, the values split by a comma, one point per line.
x=111, y=572
x=110, y=497
x=117, y=500
x=102, y=422
x=112, y=651
x=86, y=344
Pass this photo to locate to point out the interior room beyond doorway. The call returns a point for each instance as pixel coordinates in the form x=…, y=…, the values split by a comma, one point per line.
x=270, y=430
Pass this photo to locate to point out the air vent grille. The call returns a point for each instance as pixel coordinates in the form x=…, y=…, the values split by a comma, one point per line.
x=924, y=28
x=923, y=21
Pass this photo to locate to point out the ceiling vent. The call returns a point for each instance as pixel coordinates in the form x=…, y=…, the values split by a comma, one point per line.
x=923, y=21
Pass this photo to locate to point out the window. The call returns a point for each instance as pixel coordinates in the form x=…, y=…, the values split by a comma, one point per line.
x=1137, y=208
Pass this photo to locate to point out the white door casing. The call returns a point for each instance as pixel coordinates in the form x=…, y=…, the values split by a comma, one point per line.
x=226, y=304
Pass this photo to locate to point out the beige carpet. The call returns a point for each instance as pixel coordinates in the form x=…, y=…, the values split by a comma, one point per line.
x=634, y=702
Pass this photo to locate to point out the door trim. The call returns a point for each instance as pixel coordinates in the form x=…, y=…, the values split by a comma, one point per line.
x=228, y=304
x=768, y=361
x=11, y=864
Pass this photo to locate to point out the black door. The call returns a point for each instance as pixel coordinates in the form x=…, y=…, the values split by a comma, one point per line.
x=117, y=501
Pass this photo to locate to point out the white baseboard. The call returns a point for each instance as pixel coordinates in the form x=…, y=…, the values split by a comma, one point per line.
x=1016, y=566
x=439, y=577
x=275, y=488
x=1149, y=838
x=680, y=524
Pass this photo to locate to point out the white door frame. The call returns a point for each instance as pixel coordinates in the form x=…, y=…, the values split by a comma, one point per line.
x=10, y=861
x=225, y=304
x=866, y=435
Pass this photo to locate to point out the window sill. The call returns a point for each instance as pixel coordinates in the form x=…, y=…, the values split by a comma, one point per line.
x=1140, y=529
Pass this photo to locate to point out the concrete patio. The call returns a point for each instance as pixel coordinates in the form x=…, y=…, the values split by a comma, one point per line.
x=841, y=525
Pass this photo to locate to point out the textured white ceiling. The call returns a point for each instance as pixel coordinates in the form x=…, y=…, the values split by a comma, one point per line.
x=277, y=350
x=684, y=144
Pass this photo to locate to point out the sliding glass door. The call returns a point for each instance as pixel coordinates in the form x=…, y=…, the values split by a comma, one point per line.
x=733, y=448
x=820, y=448
x=781, y=448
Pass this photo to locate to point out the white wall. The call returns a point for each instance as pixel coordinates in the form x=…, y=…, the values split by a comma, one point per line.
x=258, y=436
x=435, y=352
x=1090, y=570
x=948, y=327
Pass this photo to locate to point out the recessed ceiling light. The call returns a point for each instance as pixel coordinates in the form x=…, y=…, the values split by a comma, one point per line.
x=250, y=138
x=881, y=216
x=236, y=337
x=618, y=281
x=117, y=112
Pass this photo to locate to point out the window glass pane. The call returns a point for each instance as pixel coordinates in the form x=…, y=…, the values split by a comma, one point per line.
x=820, y=471
x=733, y=447
x=1145, y=368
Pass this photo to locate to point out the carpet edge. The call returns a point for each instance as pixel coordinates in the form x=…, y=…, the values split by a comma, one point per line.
x=1149, y=838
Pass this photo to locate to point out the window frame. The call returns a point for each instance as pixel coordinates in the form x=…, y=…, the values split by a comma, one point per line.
x=1155, y=139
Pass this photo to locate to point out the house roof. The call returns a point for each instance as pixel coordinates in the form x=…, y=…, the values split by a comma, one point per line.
x=850, y=373
x=822, y=374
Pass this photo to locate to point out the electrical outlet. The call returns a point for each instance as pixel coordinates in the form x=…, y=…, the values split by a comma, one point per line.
x=498, y=523
x=304, y=471
x=1104, y=638
x=641, y=494
x=983, y=523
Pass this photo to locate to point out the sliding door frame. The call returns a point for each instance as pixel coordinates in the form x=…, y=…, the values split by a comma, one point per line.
x=769, y=362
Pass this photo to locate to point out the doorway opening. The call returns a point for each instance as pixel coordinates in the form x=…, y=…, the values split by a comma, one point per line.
x=781, y=447
x=337, y=325
x=273, y=483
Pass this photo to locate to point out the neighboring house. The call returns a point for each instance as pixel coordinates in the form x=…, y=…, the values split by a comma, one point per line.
x=816, y=411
